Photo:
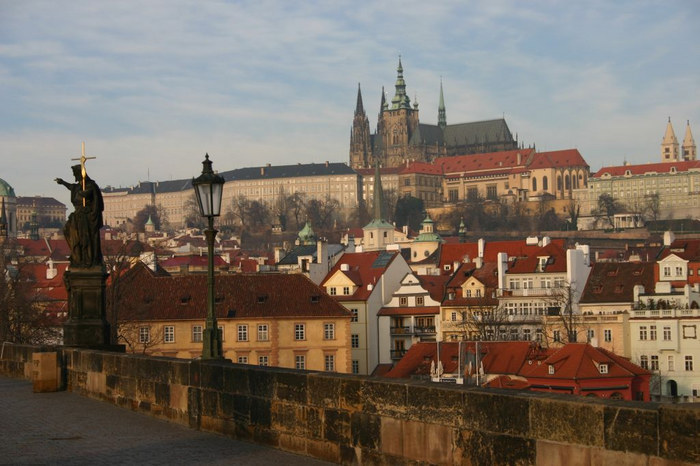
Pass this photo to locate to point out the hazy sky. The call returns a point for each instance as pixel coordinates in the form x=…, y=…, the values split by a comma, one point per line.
x=152, y=85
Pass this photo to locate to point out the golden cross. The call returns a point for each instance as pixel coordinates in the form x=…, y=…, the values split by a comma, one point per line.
x=82, y=167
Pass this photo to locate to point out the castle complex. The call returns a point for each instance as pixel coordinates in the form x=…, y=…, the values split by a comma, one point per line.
x=400, y=136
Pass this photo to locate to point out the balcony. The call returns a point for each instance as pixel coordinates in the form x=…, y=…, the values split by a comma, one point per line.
x=397, y=353
x=520, y=292
x=430, y=330
x=401, y=330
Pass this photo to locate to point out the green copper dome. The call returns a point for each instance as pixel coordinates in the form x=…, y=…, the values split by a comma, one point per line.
x=307, y=235
x=5, y=189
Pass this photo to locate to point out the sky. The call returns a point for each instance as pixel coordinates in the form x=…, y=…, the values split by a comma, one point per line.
x=153, y=85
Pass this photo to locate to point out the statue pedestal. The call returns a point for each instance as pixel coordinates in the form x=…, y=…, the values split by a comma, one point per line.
x=87, y=325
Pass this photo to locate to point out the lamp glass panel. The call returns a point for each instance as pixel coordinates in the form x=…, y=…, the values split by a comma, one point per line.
x=205, y=201
x=217, y=191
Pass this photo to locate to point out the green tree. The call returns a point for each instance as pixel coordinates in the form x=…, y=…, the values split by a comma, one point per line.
x=409, y=211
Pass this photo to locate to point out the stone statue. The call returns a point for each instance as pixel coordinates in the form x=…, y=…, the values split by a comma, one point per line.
x=82, y=230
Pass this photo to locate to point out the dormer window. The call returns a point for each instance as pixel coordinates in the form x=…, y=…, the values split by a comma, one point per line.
x=551, y=369
x=603, y=368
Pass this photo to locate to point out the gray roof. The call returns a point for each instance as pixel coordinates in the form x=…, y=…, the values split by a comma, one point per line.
x=292, y=258
x=288, y=171
x=477, y=132
x=149, y=187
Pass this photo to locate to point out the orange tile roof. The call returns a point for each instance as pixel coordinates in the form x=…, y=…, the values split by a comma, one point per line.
x=502, y=161
x=555, y=263
x=409, y=311
x=557, y=159
x=422, y=168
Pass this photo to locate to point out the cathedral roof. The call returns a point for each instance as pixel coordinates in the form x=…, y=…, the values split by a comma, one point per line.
x=476, y=132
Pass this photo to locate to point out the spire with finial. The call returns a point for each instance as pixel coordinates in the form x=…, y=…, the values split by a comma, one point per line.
x=689, y=148
x=400, y=100
x=669, y=145
x=442, y=118
x=462, y=232
x=383, y=105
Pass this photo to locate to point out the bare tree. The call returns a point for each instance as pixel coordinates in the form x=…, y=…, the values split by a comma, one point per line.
x=118, y=258
x=193, y=217
x=562, y=302
x=607, y=207
x=239, y=210
x=140, y=336
x=321, y=213
x=482, y=319
x=23, y=317
x=297, y=206
x=652, y=206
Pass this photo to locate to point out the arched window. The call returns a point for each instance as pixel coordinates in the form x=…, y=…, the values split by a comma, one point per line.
x=396, y=137
x=559, y=183
x=616, y=396
x=545, y=184
x=567, y=182
x=534, y=184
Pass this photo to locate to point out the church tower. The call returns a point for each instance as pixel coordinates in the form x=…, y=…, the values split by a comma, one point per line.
x=398, y=122
x=378, y=233
x=669, y=146
x=360, y=149
x=690, y=151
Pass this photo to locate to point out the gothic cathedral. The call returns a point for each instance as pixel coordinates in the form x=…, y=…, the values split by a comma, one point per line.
x=400, y=136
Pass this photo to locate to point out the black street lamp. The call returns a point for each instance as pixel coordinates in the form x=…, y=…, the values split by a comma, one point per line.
x=209, y=187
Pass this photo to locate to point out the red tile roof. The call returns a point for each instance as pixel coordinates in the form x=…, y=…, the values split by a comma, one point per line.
x=362, y=270
x=558, y=158
x=422, y=168
x=451, y=252
x=662, y=167
x=193, y=261
x=582, y=361
x=434, y=285
x=613, y=282
x=147, y=296
x=530, y=264
x=494, y=161
x=688, y=249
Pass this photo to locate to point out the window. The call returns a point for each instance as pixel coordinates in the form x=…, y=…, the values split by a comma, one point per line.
x=526, y=334
x=689, y=363
x=452, y=195
x=299, y=331
x=300, y=361
x=557, y=335
x=329, y=361
x=242, y=359
x=263, y=361
x=491, y=192
x=551, y=369
x=545, y=184
x=667, y=333
x=403, y=301
x=263, y=332
x=353, y=318
x=468, y=293
x=453, y=317
x=329, y=331
x=654, y=362
x=144, y=334
x=652, y=332
x=534, y=184
x=607, y=335
x=478, y=293
x=644, y=361
x=346, y=290
x=355, y=366
x=667, y=271
x=355, y=340
x=419, y=300
x=197, y=333
x=221, y=332
x=332, y=291
x=643, y=332
x=590, y=334
x=169, y=334
x=603, y=368
x=242, y=333
x=671, y=364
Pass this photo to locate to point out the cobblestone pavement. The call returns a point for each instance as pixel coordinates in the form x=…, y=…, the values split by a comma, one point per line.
x=66, y=428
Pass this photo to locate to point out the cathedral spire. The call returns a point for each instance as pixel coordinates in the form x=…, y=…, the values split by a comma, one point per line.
x=689, y=148
x=378, y=199
x=359, y=108
x=383, y=105
x=669, y=145
x=442, y=119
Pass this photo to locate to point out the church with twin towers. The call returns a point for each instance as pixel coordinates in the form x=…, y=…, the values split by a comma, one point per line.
x=400, y=136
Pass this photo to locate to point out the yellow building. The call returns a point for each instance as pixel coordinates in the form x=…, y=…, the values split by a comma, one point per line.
x=265, y=319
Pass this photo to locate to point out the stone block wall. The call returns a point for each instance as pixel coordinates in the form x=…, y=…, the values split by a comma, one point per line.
x=353, y=419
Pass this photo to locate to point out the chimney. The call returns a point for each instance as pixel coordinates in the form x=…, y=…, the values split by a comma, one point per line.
x=546, y=240
x=262, y=171
x=669, y=238
x=326, y=163
x=455, y=266
x=502, y=261
x=481, y=245
x=51, y=271
x=519, y=158
x=479, y=262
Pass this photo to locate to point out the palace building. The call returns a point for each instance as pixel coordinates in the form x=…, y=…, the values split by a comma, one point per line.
x=400, y=136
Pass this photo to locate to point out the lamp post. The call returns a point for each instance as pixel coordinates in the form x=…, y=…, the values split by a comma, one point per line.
x=208, y=188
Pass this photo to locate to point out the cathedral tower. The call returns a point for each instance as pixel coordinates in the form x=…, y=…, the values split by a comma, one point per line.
x=360, y=148
x=690, y=151
x=398, y=122
x=669, y=146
